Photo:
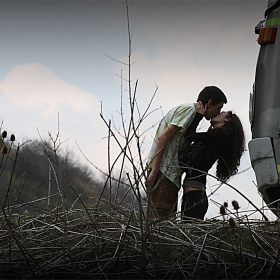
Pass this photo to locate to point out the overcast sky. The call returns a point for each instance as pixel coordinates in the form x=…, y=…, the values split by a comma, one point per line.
x=55, y=58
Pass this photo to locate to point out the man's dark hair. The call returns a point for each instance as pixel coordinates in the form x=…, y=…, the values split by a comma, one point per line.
x=212, y=92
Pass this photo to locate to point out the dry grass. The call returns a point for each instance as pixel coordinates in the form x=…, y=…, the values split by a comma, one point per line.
x=92, y=244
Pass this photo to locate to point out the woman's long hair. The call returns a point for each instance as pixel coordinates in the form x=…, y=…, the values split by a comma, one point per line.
x=229, y=161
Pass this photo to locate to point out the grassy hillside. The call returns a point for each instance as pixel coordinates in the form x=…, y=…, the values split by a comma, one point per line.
x=39, y=171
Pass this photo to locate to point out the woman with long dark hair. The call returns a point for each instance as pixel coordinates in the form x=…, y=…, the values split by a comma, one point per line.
x=224, y=142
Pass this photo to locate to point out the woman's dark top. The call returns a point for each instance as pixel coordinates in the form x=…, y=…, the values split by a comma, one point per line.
x=201, y=151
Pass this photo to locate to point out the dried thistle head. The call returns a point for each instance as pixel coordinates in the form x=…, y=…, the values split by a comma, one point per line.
x=222, y=210
x=4, y=134
x=235, y=204
x=4, y=150
x=225, y=204
x=12, y=138
x=231, y=222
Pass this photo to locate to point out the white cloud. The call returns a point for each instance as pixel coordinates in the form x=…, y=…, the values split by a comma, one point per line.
x=34, y=85
x=33, y=99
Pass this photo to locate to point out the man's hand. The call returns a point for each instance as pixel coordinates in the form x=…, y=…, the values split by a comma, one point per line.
x=152, y=178
x=162, y=141
x=200, y=108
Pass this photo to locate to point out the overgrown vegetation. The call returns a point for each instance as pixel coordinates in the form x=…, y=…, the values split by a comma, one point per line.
x=43, y=172
x=92, y=244
x=84, y=229
x=34, y=178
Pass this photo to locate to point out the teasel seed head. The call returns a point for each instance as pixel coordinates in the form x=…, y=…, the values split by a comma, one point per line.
x=231, y=222
x=4, y=134
x=12, y=138
x=235, y=205
x=222, y=210
x=4, y=150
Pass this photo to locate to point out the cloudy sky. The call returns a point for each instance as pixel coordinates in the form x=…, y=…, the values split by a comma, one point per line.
x=63, y=58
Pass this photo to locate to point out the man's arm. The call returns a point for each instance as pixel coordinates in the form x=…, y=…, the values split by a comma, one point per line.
x=162, y=141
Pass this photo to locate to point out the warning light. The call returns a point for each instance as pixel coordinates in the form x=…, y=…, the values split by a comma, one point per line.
x=267, y=35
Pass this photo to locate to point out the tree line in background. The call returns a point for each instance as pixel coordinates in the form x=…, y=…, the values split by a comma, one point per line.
x=38, y=175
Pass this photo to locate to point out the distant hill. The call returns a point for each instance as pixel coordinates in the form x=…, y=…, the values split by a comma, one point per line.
x=41, y=170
